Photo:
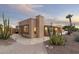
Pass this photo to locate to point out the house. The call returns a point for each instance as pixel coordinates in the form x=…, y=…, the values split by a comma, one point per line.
x=35, y=27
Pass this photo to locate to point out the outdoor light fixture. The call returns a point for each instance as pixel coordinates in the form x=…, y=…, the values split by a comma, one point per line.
x=56, y=29
x=46, y=28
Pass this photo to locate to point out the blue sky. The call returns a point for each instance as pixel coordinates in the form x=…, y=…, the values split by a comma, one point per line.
x=55, y=12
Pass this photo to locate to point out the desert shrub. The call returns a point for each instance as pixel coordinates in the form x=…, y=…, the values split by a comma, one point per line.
x=72, y=28
x=57, y=40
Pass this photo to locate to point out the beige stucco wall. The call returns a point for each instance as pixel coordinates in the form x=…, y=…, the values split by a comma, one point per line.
x=26, y=22
x=40, y=26
x=37, y=23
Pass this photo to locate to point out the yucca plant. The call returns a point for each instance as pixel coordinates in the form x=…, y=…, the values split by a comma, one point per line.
x=5, y=29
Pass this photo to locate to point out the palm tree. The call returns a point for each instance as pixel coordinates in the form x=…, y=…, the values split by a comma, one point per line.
x=69, y=16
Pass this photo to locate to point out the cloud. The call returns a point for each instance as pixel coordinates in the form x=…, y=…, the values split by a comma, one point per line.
x=30, y=9
x=62, y=19
x=33, y=10
x=26, y=8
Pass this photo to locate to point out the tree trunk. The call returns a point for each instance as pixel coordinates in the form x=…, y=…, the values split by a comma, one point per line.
x=70, y=31
x=70, y=21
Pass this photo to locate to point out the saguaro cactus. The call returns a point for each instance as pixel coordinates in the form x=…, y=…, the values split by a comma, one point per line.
x=1, y=31
x=5, y=28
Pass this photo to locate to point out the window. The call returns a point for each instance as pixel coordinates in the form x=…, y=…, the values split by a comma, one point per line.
x=35, y=30
x=46, y=30
x=26, y=29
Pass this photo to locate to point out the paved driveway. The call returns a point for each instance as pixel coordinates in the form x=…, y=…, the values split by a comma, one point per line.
x=21, y=45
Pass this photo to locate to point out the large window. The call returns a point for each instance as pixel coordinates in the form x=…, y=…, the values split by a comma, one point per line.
x=26, y=29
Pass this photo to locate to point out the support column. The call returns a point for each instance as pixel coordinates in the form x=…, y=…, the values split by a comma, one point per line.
x=40, y=26
x=31, y=28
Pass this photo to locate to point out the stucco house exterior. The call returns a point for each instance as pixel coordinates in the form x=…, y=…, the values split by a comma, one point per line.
x=35, y=27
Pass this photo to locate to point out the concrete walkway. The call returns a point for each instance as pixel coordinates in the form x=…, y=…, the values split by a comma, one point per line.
x=28, y=41
x=22, y=45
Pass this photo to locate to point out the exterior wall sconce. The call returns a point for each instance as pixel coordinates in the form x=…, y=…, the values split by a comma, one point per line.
x=56, y=29
x=46, y=28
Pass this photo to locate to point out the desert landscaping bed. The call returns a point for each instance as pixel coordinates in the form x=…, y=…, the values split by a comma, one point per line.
x=70, y=47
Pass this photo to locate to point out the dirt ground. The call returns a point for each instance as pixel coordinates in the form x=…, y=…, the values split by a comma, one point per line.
x=20, y=45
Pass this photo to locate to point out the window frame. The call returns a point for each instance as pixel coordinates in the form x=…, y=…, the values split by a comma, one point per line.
x=26, y=32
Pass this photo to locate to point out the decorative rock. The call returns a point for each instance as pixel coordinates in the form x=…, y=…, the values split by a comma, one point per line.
x=47, y=46
x=50, y=47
